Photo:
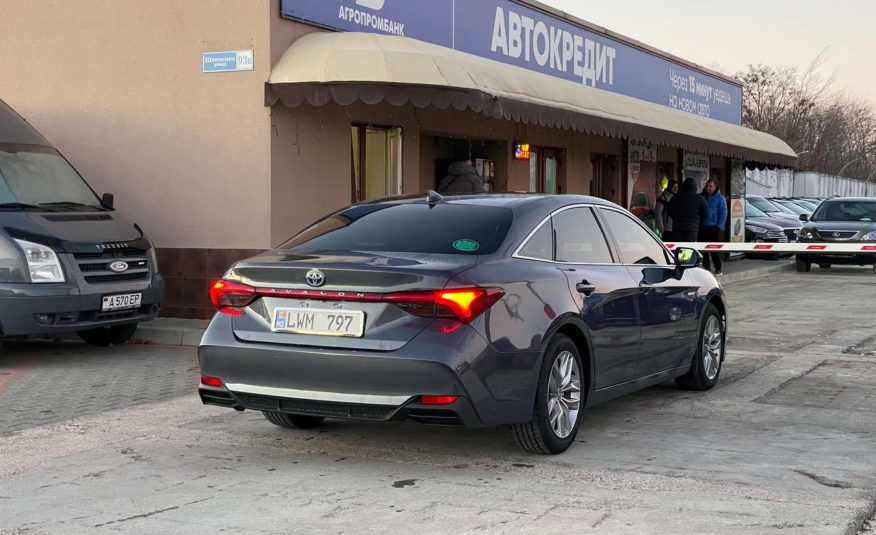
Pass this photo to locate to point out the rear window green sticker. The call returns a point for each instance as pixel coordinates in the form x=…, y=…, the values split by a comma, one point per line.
x=466, y=246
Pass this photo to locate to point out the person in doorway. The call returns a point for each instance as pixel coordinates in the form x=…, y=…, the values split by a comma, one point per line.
x=713, y=227
x=688, y=210
x=461, y=178
x=661, y=211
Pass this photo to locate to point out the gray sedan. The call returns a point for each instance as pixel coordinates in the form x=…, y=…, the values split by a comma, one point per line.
x=485, y=310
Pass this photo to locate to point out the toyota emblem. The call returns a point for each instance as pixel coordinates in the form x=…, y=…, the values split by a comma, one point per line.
x=118, y=267
x=315, y=278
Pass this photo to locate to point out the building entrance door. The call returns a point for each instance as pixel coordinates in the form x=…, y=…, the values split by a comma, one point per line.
x=606, y=180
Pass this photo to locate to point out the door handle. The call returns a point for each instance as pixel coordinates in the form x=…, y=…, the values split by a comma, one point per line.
x=584, y=287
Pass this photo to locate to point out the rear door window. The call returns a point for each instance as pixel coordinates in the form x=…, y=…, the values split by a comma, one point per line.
x=443, y=228
x=579, y=239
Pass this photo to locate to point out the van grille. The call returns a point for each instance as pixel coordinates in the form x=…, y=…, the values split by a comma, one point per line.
x=119, y=277
x=110, y=253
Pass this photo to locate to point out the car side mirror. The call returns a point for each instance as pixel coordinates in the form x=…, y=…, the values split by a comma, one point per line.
x=804, y=217
x=108, y=200
x=686, y=258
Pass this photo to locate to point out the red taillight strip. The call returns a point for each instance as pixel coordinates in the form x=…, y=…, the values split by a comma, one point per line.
x=230, y=297
x=322, y=295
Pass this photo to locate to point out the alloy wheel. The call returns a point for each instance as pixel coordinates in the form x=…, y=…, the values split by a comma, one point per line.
x=712, y=347
x=564, y=394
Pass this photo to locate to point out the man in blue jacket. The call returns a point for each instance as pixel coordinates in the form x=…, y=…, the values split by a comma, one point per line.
x=713, y=227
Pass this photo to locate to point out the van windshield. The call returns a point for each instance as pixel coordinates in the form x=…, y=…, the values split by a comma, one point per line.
x=38, y=178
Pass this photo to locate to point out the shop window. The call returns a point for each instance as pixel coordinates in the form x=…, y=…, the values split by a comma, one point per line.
x=544, y=165
x=377, y=162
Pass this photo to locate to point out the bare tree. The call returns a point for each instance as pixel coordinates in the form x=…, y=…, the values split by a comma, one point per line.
x=831, y=130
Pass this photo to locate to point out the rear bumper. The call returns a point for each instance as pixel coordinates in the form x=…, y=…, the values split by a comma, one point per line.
x=492, y=388
x=69, y=309
x=460, y=412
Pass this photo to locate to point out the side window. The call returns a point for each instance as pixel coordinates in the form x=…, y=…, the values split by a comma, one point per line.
x=540, y=245
x=637, y=245
x=579, y=238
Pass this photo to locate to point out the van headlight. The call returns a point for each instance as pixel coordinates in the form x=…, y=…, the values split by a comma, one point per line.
x=870, y=236
x=756, y=229
x=42, y=262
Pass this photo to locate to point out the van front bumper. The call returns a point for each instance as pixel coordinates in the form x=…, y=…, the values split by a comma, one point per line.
x=29, y=309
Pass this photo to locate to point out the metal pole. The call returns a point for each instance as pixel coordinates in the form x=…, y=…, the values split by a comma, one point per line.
x=840, y=174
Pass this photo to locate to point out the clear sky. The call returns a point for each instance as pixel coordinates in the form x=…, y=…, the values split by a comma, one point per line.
x=732, y=34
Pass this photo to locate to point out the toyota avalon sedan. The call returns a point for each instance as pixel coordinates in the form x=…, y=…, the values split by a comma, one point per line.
x=484, y=310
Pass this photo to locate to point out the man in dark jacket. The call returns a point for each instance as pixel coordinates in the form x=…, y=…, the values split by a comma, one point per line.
x=461, y=178
x=688, y=210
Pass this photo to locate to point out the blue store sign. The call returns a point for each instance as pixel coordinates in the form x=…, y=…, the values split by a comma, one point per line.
x=509, y=32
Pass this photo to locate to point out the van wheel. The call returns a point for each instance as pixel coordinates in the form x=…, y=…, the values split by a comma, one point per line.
x=108, y=336
x=293, y=421
x=803, y=266
x=558, y=403
x=709, y=356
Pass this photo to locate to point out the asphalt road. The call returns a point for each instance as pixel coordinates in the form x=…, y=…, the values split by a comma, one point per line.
x=103, y=441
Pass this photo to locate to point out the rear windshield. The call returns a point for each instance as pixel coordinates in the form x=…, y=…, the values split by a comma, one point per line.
x=409, y=228
x=846, y=211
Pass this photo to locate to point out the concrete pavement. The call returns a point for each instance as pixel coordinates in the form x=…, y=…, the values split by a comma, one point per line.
x=786, y=443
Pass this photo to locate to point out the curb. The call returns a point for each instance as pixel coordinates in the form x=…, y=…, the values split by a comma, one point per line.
x=188, y=333
x=756, y=273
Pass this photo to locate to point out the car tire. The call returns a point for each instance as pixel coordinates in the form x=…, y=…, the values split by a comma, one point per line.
x=824, y=266
x=108, y=336
x=559, y=400
x=803, y=266
x=293, y=421
x=709, y=355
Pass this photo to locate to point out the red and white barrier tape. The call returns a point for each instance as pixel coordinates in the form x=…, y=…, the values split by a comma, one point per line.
x=807, y=248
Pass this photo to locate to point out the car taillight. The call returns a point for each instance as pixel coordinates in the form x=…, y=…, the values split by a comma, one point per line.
x=229, y=296
x=464, y=304
x=211, y=381
x=438, y=400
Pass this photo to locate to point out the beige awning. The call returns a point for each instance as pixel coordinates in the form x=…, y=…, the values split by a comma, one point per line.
x=349, y=67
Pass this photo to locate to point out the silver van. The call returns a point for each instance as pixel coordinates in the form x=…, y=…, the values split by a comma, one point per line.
x=68, y=261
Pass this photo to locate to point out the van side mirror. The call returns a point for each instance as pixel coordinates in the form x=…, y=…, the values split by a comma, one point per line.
x=108, y=200
x=686, y=258
x=804, y=217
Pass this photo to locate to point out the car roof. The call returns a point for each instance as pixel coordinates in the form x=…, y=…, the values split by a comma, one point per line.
x=501, y=200
x=14, y=129
x=853, y=199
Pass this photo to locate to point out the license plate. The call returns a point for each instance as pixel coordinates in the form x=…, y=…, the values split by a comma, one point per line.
x=321, y=322
x=120, y=302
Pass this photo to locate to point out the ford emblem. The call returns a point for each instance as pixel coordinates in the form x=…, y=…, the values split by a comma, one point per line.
x=315, y=278
x=118, y=267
